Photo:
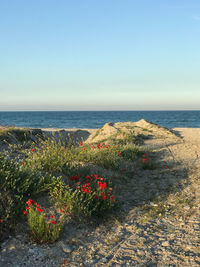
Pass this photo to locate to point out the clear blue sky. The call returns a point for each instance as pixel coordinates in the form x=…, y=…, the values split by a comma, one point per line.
x=99, y=54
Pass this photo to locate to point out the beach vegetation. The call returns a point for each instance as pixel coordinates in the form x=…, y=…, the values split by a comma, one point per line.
x=12, y=134
x=17, y=182
x=81, y=179
x=147, y=163
x=49, y=156
x=86, y=196
x=44, y=227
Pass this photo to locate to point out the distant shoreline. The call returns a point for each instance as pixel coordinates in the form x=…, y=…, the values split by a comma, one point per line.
x=53, y=129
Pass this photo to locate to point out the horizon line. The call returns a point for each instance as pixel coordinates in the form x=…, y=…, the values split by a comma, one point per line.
x=99, y=110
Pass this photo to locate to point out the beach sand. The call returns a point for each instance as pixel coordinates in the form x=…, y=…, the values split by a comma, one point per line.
x=161, y=206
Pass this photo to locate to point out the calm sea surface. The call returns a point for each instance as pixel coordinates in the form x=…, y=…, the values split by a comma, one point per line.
x=96, y=119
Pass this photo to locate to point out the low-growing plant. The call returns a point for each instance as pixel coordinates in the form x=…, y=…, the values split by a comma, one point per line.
x=20, y=137
x=44, y=228
x=130, y=152
x=90, y=195
x=17, y=182
x=50, y=156
x=147, y=163
x=122, y=138
x=74, y=168
x=106, y=156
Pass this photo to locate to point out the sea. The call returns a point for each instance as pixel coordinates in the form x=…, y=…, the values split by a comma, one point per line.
x=96, y=119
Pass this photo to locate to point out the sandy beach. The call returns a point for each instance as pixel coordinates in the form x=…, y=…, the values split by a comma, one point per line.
x=160, y=207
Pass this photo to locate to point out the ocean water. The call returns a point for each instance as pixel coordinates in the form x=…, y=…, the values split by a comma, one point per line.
x=96, y=119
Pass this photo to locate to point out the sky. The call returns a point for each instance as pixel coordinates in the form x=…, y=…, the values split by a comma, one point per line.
x=99, y=55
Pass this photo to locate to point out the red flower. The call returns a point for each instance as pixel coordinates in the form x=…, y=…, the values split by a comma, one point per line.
x=25, y=212
x=119, y=153
x=85, y=190
x=51, y=216
x=166, y=167
x=75, y=178
x=62, y=211
x=81, y=144
x=27, y=208
x=111, y=197
x=39, y=209
x=22, y=163
x=45, y=216
x=38, y=205
x=104, y=197
x=53, y=222
x=99, y=145
x=29, y=202
x=33, y=149
x=102, y=185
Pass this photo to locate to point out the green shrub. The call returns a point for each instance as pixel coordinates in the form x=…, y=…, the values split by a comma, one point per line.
x=147, y=163
x=43, y=228
x=50, y=156
x=106, y=156
x=122, y=138
x=10, y=134
x=17, y=183
x=90, y=195
x=130, y=152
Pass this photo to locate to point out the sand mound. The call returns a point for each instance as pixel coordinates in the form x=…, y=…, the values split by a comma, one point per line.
x=135, y=132
x=139, y=130
x=67, y=136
